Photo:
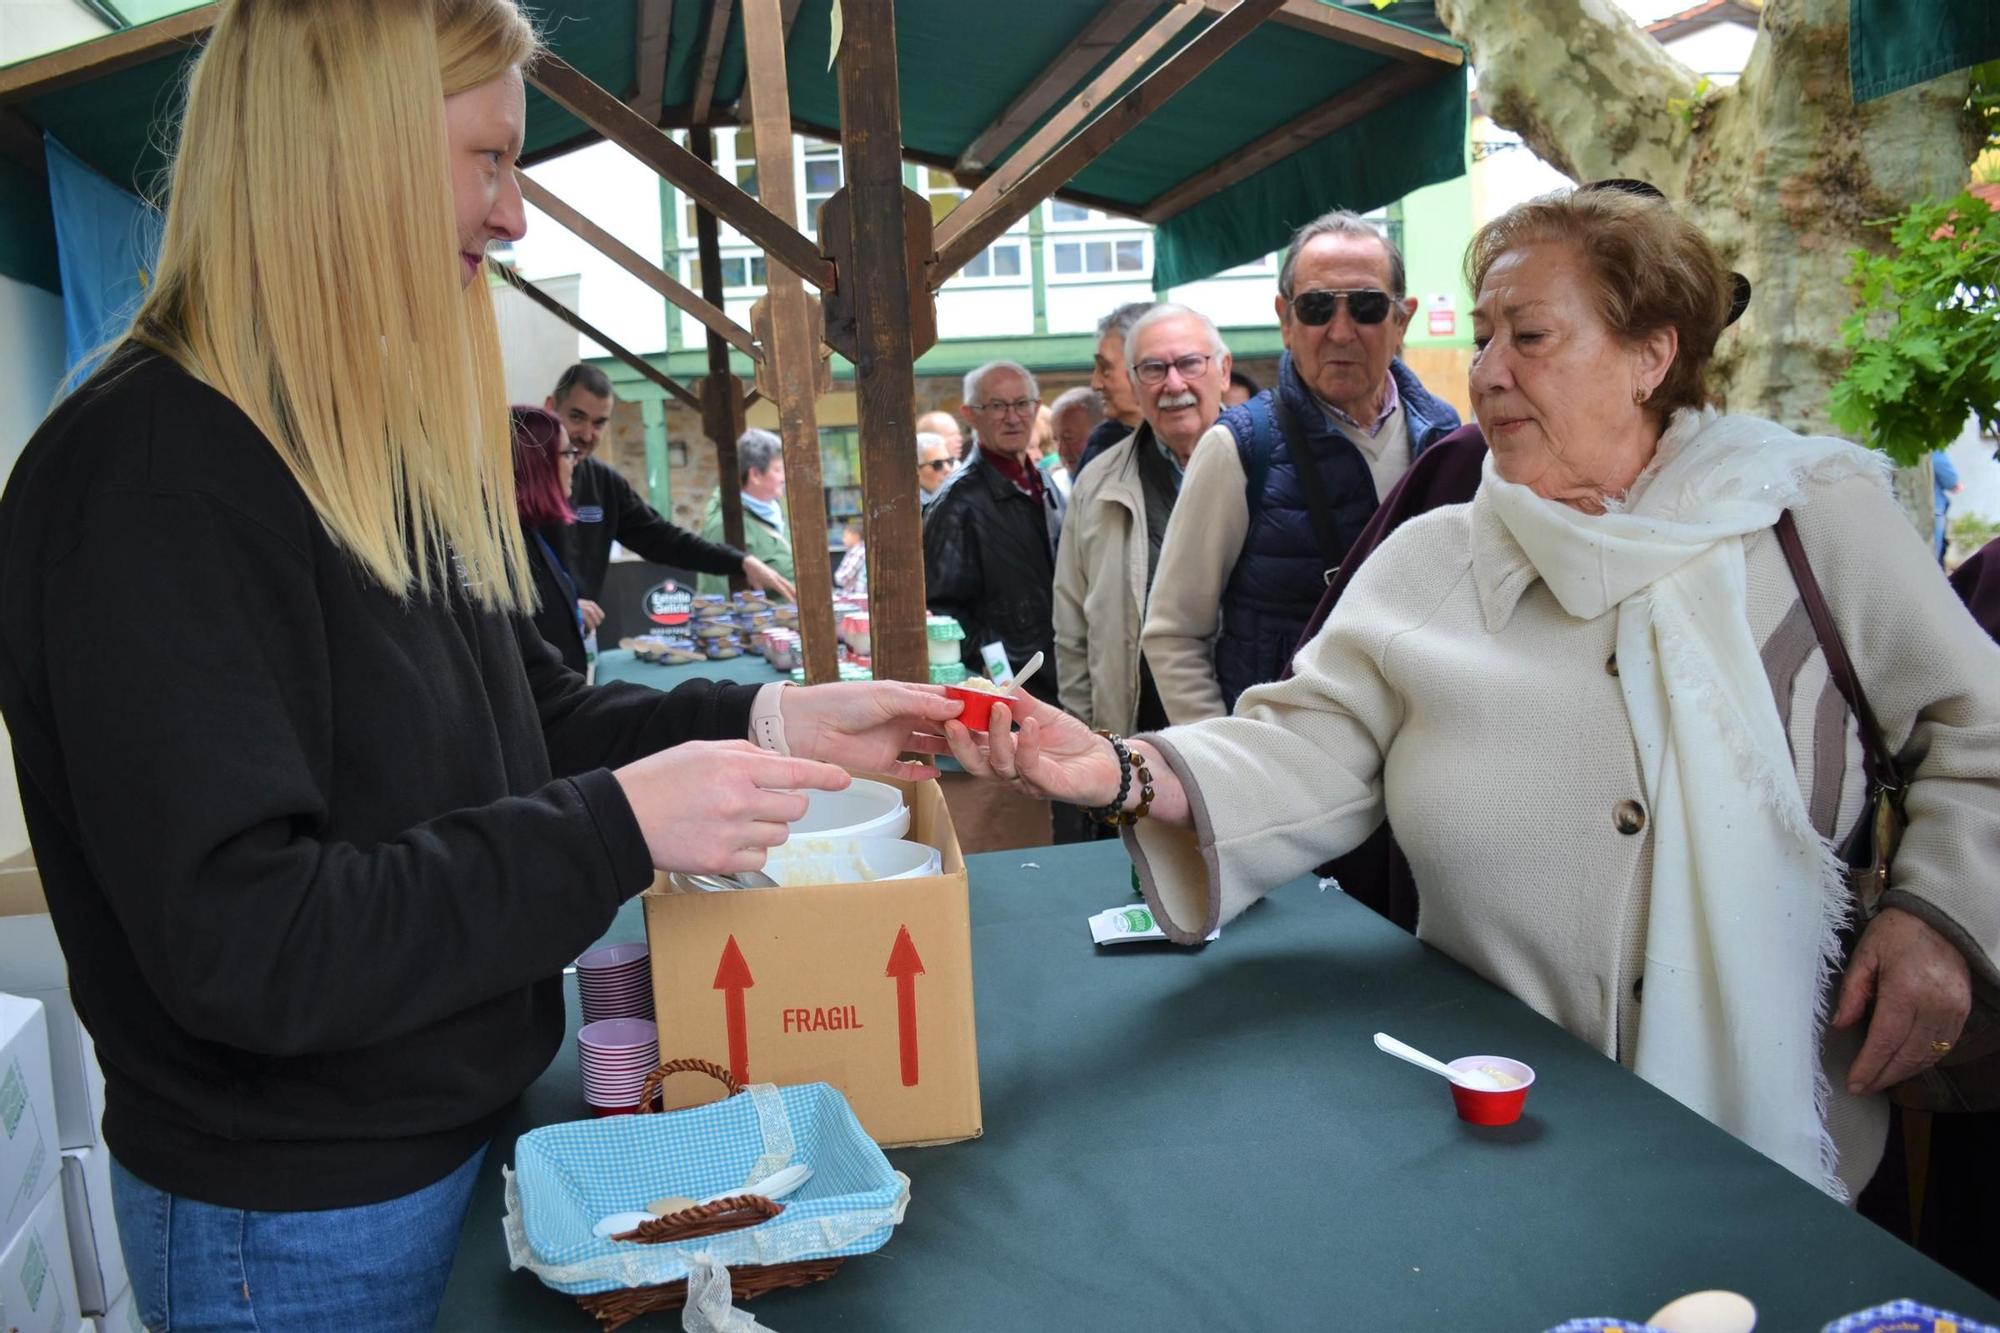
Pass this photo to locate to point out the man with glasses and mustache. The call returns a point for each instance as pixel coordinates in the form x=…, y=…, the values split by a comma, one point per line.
x=990, y=538
x=1118, y=518
x=1293, y=475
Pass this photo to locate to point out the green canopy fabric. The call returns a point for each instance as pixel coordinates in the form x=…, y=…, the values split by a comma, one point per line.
x=1896, y=44
x=960, y=68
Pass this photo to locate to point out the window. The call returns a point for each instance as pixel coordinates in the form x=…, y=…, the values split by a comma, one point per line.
x=1004, y=261
x=1124, y=257
x=735, y=159
x=1062, y=211
x=822, y=178
x=741, y=272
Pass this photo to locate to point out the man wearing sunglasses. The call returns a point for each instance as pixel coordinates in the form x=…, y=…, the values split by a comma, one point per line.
x=1118, y=518
x=990, y=538
x=935, y=464
x=1293, y=475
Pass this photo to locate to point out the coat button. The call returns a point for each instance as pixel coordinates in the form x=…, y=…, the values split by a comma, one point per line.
x=1611, y=665
x=1629, y=816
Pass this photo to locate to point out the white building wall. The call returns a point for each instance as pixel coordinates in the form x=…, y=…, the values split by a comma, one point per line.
x=31, y=28
x=967, y=311
x=1720, y=50
x=535, y=346
x=1244, y=297
x=621, y=195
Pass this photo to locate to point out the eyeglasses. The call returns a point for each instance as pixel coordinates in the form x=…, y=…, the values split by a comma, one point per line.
x=1365, y=305
x=938, y=465
x=1020, y=407
x=1152, y=372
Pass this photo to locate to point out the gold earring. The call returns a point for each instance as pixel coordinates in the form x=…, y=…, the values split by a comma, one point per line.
x=1639, y=395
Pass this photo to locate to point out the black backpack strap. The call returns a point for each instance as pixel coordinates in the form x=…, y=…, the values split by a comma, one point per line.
x=1326, y=528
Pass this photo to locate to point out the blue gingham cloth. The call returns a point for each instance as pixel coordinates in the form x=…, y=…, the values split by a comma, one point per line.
x=1907, y=1317
x=1895, y=1317
x=568, y=1176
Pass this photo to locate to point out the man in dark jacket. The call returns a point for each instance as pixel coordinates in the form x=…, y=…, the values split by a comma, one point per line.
x=608, y=509
x=989, y=539
x=1234, y=589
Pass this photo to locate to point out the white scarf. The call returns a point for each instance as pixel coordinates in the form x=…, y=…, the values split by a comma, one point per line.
x=1742, y=936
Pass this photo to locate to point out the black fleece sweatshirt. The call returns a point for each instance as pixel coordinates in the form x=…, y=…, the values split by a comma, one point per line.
x=316, y=854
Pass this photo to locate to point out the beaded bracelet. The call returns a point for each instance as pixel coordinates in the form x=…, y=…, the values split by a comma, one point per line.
x=1115, y=814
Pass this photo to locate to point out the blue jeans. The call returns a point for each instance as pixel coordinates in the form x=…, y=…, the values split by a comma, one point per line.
x=198, y=1268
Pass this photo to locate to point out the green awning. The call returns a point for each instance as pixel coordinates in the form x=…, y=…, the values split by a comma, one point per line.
x=960, y=67
x=1896, y=44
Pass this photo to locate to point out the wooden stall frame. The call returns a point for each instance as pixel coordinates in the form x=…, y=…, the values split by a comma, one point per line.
x=884, y=232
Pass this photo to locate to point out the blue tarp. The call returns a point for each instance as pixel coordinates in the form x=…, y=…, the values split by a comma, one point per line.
x=106, y=241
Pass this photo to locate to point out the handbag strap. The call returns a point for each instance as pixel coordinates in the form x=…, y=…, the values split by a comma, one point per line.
x=1318, y=503
x=1879, y=764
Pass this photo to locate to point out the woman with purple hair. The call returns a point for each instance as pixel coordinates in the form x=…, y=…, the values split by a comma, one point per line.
x=544, y=458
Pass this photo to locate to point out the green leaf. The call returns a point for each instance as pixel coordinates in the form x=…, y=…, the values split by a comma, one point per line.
x=1924, y=336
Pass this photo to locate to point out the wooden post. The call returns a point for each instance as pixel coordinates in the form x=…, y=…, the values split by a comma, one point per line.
x=721, y=394
x=793, y=352
x=876, y=275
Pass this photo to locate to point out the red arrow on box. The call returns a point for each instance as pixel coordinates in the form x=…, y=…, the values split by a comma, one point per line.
x=905, y=966
x=732, y=976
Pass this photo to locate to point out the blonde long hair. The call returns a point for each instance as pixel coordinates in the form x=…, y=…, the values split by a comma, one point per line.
x=307, y=271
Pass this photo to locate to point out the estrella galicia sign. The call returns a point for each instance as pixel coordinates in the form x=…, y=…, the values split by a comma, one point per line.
x=669, y=604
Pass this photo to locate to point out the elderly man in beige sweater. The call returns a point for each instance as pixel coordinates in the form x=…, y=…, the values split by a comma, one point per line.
x=1118, y=518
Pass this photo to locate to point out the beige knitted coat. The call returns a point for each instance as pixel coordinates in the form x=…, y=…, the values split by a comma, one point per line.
x=1452, y=694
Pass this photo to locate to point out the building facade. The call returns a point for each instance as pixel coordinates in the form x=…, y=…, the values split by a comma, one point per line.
x=1033, y=296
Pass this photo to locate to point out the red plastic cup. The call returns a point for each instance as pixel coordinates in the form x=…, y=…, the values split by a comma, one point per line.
x=1492, y=1108
x=978, y=705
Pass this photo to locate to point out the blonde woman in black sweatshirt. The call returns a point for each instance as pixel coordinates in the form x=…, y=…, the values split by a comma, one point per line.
x=320, y=816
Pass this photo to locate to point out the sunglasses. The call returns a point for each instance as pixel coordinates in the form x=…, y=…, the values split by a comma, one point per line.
x=938, y=465
x=1365, y=305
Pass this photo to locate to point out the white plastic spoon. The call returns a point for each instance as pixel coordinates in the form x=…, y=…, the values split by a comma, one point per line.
x=617, y=1224
x=774, y=1186
x=1465, y=1078
x=1034, y=665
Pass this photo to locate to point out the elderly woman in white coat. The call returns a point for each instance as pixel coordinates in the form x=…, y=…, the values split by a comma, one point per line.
x=1592, y=707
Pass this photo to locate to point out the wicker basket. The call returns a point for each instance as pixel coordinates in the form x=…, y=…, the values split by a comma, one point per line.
x=615, y=1309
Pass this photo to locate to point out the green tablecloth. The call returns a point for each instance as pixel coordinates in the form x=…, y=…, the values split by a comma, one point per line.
x=1181, y=1140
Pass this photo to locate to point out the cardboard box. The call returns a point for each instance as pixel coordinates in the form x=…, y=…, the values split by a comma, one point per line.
x=28, y=1153
x=93, y=1230
x=32, y=966
x=867, y=987
x=123, y=1317
x=37, y=1289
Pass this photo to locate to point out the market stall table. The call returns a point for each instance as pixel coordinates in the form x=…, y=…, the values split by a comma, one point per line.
x=620, y=664
x=1207, y=1139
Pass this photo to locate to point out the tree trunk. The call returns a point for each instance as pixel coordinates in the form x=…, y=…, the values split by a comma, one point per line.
x=1782, y=170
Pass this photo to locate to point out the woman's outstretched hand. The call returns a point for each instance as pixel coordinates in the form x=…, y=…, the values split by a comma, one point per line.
x=1053, y=757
